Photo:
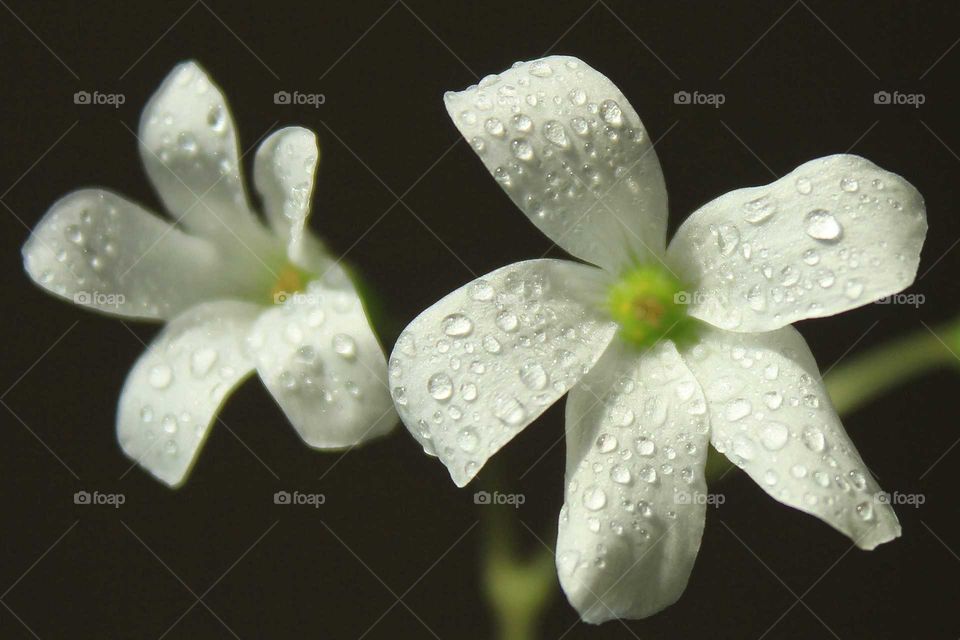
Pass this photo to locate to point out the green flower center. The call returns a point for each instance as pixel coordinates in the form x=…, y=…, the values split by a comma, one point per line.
x=650, y=304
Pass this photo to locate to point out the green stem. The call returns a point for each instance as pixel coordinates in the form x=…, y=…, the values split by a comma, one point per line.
x=862, y=378
x=518, y=588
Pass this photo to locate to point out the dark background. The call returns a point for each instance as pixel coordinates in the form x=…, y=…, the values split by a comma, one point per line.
x=803, y=87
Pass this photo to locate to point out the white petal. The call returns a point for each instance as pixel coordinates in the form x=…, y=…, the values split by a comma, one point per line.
x=174, y=392
x=188, y=144
x=633, y=515
x=107, y=253
x=320, y=359
x=284, y=171
x=470, y=372
x=834, y=234
x=770, y=414
x=571, y=152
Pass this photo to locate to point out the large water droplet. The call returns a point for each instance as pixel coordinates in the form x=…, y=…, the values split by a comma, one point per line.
x=440, y=386
x=160, y=376
x=533, y=375
x=457, y=325
x=344, y=346
x=822, y=225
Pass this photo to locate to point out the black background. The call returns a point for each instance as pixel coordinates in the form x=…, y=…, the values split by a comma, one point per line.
x=803, y=88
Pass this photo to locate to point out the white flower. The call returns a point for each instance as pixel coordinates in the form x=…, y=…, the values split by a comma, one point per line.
x=657, y=370
x=238, y=295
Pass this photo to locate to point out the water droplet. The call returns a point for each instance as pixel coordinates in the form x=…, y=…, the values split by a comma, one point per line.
x=822, y=225
x=814, y=440
x=849, y=185
x=811, y=257
x=457, y=325
x=620, y=474
x=160, y=376
x=468, y=391
x=773, y=399
x=774, y=435
x=577, y=97
x=645, y=446
x=648, y=474
x=737, y=409
x=509, y=411
x=611, y=113
x=534, y=376
x=759, y=211
x=541, y=69
x=491, y=344
x=554, y=132
x=440, y=386
x=494, y=127
x=344, y=346
x=858, y=479
x=507, y=321
x=594, y=498
x=468, y=440
x=804, y=186
x=853, y=289
x=217, y=119
x=728, y=237
x=606, y=443
x=481, y=290
x=521, y=149
x=202, y=361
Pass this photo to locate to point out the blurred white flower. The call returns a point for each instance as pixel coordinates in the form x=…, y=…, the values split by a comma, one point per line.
x=238, y=295
x=664, y=349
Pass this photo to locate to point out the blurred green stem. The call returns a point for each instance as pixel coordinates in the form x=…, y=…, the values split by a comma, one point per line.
x=518, y=588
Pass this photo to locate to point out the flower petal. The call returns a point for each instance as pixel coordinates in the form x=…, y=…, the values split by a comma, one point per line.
x=320, y=359
x=107, y=253
x=834, y=234
x=175, y=390
x=284, y=171
x=470, y=372
x=633, y=515
x=770, y=414
x=188, y=144
x=571, y=152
